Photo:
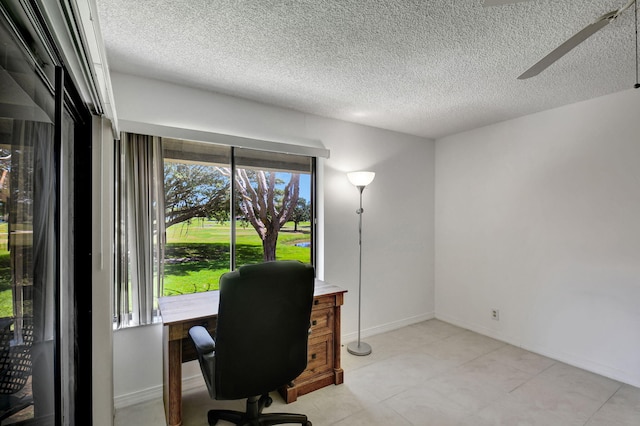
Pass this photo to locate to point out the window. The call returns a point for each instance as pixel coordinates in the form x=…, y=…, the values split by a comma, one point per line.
x=223, y=206
x=197, y=194
x=271, y=216
x=273, y=199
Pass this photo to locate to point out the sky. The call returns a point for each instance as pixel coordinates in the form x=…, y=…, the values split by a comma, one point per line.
x=305, y=184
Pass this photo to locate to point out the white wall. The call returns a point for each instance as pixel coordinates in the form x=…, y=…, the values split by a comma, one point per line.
x=397, y=224
x=540, y=218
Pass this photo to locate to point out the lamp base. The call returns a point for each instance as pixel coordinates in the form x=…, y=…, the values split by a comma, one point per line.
x=359, y=348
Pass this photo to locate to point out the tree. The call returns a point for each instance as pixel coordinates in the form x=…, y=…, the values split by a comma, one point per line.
x=194, y=190
x=264, y=205
x=301, y=213
x=5, y=170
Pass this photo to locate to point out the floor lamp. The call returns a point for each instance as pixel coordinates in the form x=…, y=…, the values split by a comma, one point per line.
x=360, y=180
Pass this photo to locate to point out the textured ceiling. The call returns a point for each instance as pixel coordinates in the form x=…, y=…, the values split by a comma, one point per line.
x=428, y=68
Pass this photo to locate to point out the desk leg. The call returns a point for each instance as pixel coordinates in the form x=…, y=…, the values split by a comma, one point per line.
x=172, y=379
x=337, y=368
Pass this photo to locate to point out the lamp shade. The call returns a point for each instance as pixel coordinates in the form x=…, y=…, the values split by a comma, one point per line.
x=361, y=178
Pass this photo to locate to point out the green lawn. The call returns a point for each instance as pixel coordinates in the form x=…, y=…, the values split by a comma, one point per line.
x=6, y=302
x=197, y=254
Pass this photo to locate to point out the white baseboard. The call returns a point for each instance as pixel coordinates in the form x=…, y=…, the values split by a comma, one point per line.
x=383, y=328
x=137, y=397
x=155, y=392
x=587, y=364
x=485, y=331
x=568, y=358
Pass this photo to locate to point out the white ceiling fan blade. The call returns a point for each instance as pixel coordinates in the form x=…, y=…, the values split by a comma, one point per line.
x=565, y=47
x=488, y=3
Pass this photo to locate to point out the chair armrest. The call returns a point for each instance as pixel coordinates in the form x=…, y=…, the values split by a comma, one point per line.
x=205, y=346
x=202, y=340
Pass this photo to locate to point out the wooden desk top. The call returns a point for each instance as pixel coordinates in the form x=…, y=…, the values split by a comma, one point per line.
x=187, y=307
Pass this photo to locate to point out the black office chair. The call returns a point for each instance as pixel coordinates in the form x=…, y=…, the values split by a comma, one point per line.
x=260, y=340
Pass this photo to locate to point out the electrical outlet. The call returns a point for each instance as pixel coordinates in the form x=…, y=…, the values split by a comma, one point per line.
x=495, y=314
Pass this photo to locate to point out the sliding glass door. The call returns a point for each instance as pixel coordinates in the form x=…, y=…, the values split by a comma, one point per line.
x=42, y=317
x=30, y=248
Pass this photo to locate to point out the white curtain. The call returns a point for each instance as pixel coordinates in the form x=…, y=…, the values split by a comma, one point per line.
x=141, y=192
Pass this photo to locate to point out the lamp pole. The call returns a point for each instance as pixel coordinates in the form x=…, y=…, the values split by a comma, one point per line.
x=359, y=348
x=360, y=180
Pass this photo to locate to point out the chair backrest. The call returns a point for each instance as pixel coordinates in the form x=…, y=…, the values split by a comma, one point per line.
x=262, y=328
x=15, y=355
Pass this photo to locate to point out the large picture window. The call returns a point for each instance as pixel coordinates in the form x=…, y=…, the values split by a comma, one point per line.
x=223, y=207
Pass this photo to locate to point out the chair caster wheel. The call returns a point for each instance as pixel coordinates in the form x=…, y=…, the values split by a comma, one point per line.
x=268, y=401
x=265, y=401
x=212, y=419
x=308, y=423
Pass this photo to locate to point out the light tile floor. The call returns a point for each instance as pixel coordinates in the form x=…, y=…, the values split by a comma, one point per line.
x=434, y=373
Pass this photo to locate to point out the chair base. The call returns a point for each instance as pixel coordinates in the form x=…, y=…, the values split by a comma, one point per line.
x=254, y=416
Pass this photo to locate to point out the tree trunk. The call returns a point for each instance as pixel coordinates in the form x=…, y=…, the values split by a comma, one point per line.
x=258, y=204
x=269, y=246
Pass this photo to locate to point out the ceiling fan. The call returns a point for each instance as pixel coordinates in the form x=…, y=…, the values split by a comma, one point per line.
x=575, y=40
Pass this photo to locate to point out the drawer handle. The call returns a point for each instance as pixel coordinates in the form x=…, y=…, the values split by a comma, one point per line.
x=316, y=302
x=313, y=356
x=314, y=322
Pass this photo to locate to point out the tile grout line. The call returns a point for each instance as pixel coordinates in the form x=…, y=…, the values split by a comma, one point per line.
x=603, y=404
x=532, y=377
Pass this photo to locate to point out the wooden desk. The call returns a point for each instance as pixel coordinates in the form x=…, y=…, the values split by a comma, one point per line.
x=180, y=313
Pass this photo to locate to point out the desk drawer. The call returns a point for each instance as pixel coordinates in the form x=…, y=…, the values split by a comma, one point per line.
x=321, y=321
x=208, y=323
x=319, y=356
x=322, y=302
